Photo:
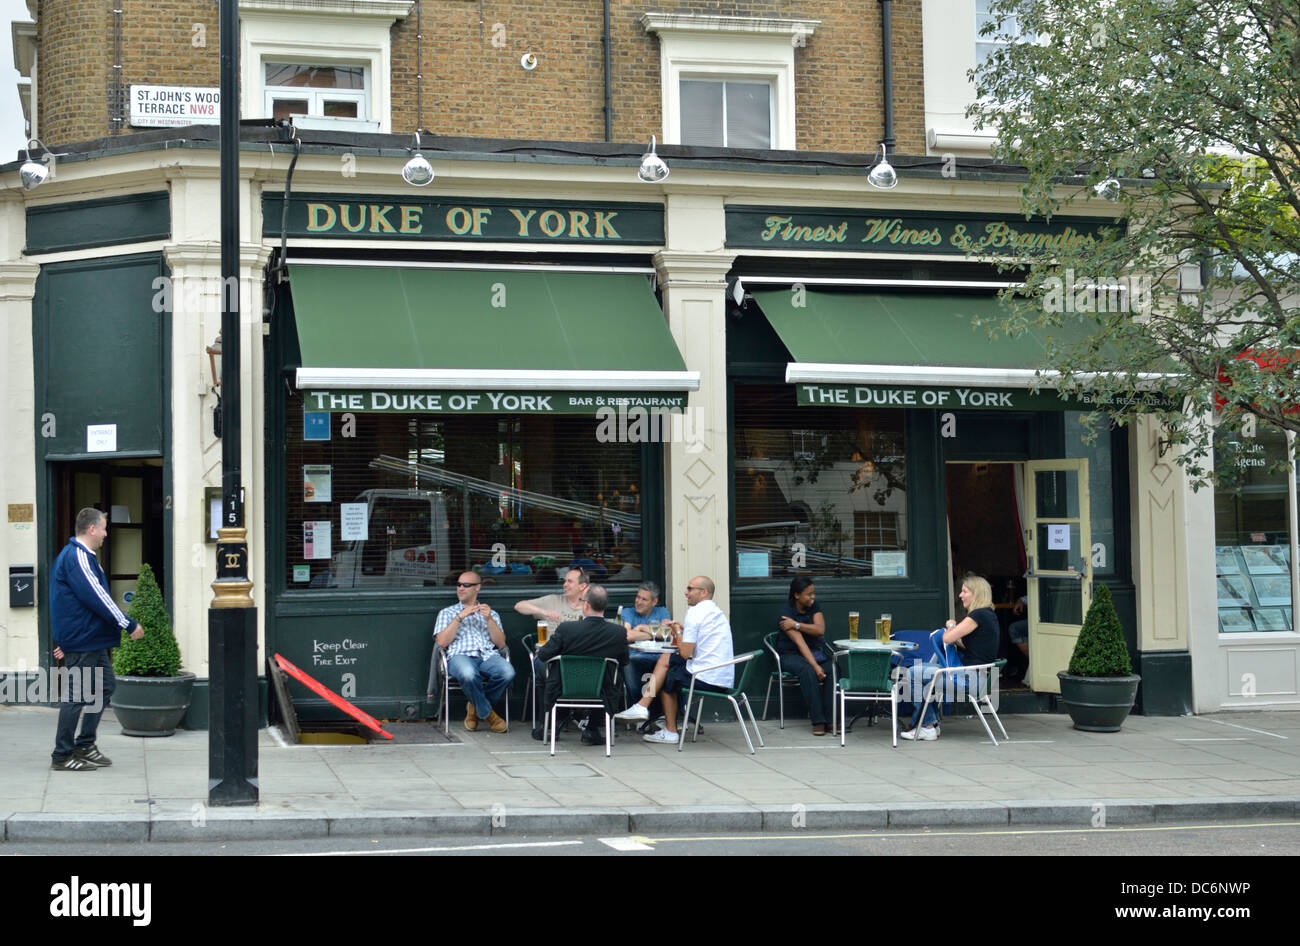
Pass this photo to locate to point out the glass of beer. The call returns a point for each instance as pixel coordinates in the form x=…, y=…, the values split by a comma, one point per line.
x=543, y=632
x=886, y=626
x=853, y=625
x=879, y=630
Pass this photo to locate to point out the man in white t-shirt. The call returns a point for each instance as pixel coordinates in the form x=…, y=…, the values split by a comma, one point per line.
x=705, y=642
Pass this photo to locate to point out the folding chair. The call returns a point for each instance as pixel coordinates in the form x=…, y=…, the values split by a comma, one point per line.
x=582, y=685
x=868, y=679
x=969, y=682
x=782, y=677
x=736, y=692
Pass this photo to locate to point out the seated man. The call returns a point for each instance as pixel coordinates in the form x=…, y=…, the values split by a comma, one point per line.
x=471, y=635
x=706, y=640
x=637, y=620
x=593, y=636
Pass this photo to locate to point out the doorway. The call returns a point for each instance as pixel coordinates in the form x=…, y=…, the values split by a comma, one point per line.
x=985, y=504
x=130, y=493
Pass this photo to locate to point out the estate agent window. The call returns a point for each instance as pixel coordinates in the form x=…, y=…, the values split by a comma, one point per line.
x=408, y=501
x=818, y=491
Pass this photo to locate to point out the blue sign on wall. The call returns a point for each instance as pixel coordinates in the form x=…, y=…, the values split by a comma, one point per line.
x=315, y=425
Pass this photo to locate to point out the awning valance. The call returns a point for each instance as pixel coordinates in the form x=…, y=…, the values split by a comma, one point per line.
x=542, y=340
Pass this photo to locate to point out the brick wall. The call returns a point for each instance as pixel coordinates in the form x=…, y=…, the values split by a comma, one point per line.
x=473, y=83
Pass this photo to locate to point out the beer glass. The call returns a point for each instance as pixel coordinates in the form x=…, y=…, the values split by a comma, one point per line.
x=853, y=625
x=886, y=625
x=543, y=632
x=879, y=630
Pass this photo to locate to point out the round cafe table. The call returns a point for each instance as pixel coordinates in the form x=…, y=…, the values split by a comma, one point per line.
x=865, y=643
x=654, y=647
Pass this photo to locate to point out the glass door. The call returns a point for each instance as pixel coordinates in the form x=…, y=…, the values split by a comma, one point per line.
x=1058, y=544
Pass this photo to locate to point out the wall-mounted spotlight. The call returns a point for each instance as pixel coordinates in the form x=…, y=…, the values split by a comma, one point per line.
x=652, y=170
x=1107, y=189
x=417, y=171
x=883, y=176
x=32, y=174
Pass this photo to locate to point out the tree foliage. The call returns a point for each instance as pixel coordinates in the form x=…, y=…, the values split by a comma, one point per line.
x=157, y=653
x=1188, y=113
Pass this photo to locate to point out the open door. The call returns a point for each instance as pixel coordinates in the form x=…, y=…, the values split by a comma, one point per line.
x=1058, y=543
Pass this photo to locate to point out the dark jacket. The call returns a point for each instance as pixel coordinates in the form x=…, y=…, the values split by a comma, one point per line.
x=83, y=615
x=590, y=637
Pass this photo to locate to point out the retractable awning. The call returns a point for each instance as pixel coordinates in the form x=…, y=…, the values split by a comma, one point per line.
x=405, y=338
x=860, y=349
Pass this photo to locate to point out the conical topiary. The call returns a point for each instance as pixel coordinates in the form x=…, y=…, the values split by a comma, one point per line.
x=157, y=653
x=1100, y=650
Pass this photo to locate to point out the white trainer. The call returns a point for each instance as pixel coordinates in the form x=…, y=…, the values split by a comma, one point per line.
x=636, y=713
x=663, y=736
x=921, y=733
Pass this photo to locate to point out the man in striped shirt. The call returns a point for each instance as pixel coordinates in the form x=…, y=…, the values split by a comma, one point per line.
x=470, y=632
x=86, y=625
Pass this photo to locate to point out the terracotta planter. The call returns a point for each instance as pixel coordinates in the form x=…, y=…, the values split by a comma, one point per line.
x=151, y=706
x=1098, y=704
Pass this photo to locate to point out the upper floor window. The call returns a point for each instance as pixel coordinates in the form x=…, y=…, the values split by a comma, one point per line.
x=728, y=81
x=727, y=113
x=1008, y=31
x=316, y=90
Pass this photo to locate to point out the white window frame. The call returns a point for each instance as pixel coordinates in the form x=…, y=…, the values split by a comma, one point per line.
x=723, y=79
x=316, y=96
x=739, y=48
x=320, y=32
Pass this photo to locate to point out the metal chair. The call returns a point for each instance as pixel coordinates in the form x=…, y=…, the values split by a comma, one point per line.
x=582, y=686
x=530, y=651
x=731, y=696
x=971, y=683
x=782, y=677
x=448, y=682
x=869, y=679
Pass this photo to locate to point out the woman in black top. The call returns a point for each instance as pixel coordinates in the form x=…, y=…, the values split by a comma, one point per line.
x=803, y=628
x=976, y=637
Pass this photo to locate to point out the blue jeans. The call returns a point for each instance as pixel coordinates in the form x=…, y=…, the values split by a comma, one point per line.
x=84, y=664
x=918, y=677
x=483, y=679
x=638, y=665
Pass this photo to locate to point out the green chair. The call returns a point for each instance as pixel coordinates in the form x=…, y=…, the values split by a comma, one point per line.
x=737, y=692
x=783, y=678
x=868, y=679
x=582, y=686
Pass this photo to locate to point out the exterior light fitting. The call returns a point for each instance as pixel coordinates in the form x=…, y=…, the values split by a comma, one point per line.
x=1107, y=189
x=32, y=174
x=652, y=170
x=883, y=176
x=417, y=171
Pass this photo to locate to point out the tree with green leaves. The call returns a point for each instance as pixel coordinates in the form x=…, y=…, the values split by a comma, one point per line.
x=1182, y=118
x=1100, y=650
x=157, y=653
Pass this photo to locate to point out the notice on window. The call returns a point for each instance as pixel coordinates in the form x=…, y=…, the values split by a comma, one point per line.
x=316, y=538
x=889, y=564
x=354, y=522
x=1058, y=536
x=101, y=438
x=316, y=482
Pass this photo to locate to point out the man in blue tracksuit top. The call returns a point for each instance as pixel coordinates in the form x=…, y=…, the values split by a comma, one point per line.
x=86, y=626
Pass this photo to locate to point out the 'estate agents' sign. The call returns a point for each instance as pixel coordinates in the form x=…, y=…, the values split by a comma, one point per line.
x=334, y=216
x=864, y=230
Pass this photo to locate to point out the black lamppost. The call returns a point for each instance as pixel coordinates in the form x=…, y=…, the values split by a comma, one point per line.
x=232, y=617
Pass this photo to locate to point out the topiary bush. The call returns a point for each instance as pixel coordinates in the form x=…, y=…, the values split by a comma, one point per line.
x=1100, y=650
x=157, y=653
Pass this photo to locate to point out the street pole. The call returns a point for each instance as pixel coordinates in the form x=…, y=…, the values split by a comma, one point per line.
x=232, y=616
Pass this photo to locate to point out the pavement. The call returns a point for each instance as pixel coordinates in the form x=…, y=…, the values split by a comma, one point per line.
x=1215, y=767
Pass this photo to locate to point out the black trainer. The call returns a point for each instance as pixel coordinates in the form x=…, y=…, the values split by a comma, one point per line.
x=93, y=756
x=74, y=764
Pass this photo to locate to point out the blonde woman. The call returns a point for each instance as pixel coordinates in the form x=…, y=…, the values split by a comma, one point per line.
x=976, y=637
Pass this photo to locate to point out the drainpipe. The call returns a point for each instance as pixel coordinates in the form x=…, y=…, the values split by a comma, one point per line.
x=609, y=111
x=887, y=55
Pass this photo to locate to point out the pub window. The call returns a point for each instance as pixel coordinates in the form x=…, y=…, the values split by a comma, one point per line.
x=1254, y=547
x=819, y=491
x=380, y=501
x=326, y=91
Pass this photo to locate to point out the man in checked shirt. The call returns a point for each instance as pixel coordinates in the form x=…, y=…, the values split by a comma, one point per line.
x=471, y=635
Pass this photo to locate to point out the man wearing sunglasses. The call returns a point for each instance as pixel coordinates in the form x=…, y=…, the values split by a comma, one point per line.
x=471, y=635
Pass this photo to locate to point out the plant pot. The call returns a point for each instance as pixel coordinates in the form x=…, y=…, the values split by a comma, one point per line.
x=1098, y=704
x=151, y=706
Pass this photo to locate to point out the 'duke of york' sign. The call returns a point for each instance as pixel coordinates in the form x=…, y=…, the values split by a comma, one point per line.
x=864, y=231
x=384, y=217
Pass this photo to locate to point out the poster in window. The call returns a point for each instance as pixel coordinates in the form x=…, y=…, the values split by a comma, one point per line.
x=1235, y=621
x=1274, y=590
x=888, y=564
x=1264, y=559
x=1272, y=619
x=1233, y=590
x=316, y=483
x=315, y=425
x=316, y=538
x=354, y=524
x=1058, y=536
x=1225, y=560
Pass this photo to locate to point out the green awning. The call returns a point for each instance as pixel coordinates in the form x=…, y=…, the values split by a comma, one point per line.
x=857, y=349
x=458, y=333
